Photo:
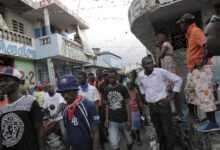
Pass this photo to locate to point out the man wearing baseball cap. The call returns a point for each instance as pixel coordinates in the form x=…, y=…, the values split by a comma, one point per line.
x=199, y=86
x=80, y=117
x=21, y=122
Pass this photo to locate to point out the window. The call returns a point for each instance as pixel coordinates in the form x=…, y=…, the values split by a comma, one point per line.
x=18, y=27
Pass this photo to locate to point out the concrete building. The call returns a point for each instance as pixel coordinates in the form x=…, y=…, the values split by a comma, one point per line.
x=147, y=17
x=112, y=60
x=33, y=38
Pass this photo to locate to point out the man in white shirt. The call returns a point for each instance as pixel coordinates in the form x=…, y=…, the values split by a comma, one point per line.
x=86, y=90
x=55, y=103
x=152, y=84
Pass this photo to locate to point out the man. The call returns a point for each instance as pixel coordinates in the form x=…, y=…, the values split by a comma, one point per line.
x=152, y=84
x=91, y=78
x=118, y=116
x=55, y=100
x=86, y=90
x=199, y=86
x=3, y=100
x=101, y=84
x=39, y=94
x=212, y=33
x=80, y=117
x=21, y=122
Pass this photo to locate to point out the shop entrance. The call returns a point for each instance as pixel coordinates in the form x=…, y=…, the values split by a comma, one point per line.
x=6, y=61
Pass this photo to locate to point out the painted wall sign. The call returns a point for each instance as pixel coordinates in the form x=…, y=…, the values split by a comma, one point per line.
x=26, y=68
x=70, y=52
x=14, y=49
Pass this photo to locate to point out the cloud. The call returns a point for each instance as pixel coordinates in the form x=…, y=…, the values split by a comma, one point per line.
x=109, y=27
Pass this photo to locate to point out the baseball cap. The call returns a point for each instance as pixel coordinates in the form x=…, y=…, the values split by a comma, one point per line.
x=185, y=17
x=67, y=83
x=10, y=71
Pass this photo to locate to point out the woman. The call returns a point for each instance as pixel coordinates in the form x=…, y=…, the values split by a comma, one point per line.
x=165, y=54
x=165, y=58
x=135, y=108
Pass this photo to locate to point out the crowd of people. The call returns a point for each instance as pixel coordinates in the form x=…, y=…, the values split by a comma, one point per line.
x=92, y=109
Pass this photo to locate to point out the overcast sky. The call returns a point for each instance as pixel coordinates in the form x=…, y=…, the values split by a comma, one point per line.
x=109, y=27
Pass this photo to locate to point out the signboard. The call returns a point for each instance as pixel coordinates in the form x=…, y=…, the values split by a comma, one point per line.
x=14, y=49
x=86, y=47
x=72, y=53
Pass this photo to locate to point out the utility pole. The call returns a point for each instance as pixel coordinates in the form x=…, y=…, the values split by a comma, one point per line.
x=78, y=7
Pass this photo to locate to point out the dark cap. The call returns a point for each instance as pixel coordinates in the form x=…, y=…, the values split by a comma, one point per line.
x=10, y=71
x=185, y=17
x=104, y=72
x=67, y=83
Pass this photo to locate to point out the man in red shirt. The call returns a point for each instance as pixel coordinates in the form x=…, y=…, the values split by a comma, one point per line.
x=199, y=86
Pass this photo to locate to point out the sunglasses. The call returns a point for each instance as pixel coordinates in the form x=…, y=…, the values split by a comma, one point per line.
x=214, y=19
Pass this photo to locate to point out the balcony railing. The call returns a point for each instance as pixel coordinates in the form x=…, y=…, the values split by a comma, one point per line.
x=15, y=37
x=45, y=40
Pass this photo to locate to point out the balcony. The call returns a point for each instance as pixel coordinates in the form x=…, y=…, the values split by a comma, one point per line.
x=145, y=16
x=59, y=47
x=15, y=37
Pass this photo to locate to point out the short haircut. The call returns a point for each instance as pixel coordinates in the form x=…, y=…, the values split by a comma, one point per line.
x=90, y=74
x=83, y=74
x=112, y=71
x=146, y=57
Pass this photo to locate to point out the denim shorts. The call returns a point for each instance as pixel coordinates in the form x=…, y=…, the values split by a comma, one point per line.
x=116, y=129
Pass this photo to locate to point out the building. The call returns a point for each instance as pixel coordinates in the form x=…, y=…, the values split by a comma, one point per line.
x=147, y=17
x=34, y=38
x=112, y=60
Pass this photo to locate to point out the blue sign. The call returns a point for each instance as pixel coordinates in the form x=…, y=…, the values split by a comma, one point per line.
x=14, y=49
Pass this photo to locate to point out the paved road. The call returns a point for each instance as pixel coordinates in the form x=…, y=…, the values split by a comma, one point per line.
x=144, y=140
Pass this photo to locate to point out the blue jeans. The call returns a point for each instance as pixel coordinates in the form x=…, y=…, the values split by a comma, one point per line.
x=115, y=130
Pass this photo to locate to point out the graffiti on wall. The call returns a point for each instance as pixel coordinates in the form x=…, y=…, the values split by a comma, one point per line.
x=28, y=76
x=26, y=69
x=14, y=49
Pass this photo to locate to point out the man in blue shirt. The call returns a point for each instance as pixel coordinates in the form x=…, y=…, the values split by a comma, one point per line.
x=80, y=117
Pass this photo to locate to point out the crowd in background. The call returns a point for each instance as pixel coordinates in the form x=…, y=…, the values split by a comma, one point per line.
x=92, y=109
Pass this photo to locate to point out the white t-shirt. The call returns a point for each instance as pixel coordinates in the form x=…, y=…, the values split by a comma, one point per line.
x=92, y=94
x=55, y=100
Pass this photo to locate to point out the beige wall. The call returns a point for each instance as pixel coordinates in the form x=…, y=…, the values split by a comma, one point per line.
x=28, y=25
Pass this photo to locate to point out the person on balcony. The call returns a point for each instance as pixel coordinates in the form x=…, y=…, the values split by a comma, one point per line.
x=65, y=33
x=166, y=61
x=199, y=85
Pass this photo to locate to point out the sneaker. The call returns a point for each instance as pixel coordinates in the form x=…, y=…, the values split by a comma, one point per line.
x=183, y=118
x=208, y=126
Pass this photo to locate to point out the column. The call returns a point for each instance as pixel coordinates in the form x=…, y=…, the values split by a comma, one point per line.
x=50, y=68
x=38, y=29
x=47, y=21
